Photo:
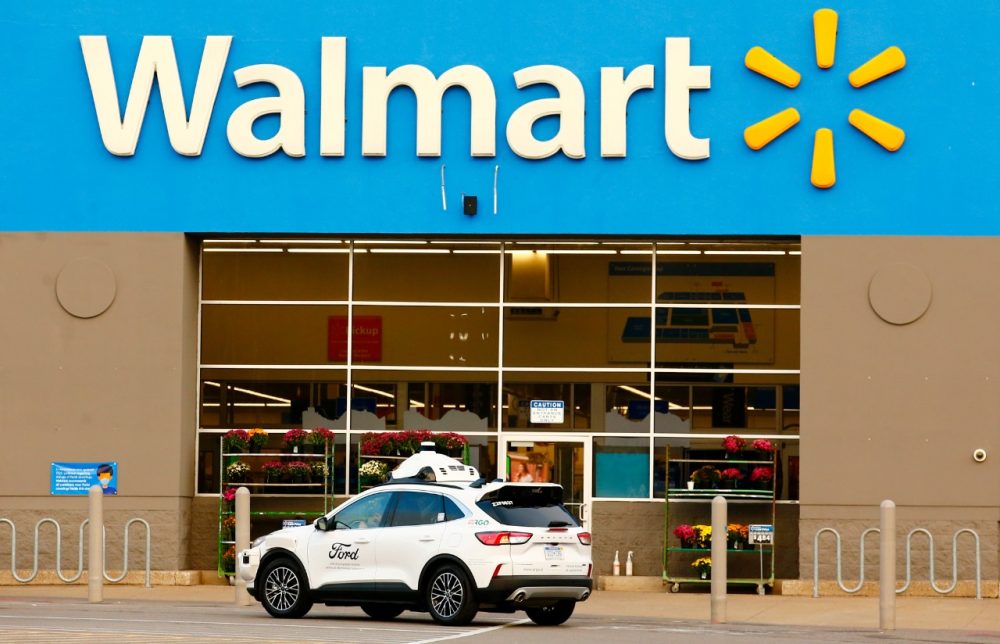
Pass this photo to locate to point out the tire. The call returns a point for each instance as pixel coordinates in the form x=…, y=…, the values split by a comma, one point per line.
x=284, y=590
x=553, y=615
x=449, y=596
x=381, y=611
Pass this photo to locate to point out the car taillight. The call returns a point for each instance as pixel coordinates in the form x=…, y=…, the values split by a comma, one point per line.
x=503, y=538
x=584, y=538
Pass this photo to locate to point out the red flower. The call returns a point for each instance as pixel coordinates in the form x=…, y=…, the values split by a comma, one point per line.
x=229, y=494
x=763, y=445
x=733, y=444
x=763, y=474
x=732, y=474
x=295, y=437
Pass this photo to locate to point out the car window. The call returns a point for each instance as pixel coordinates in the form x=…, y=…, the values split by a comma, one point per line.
x=529, y=507
x=451, y=510
x=418, y=508
x=364, y=513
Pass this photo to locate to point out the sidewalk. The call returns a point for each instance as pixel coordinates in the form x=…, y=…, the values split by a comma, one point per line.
x=957, y=614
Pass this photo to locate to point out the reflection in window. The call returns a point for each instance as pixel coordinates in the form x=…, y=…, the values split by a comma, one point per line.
x=417, y=508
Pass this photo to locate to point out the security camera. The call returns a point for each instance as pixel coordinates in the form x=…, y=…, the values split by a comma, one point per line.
x=979, y=455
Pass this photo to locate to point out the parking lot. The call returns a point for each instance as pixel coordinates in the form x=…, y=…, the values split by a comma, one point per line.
x=39, y=619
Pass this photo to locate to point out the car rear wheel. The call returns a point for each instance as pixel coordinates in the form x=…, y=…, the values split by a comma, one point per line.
x=381, y=611
x=552, y=615
x=449, y=596
x=284, y=590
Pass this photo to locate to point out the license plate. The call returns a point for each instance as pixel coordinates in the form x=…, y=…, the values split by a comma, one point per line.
x=553, y=552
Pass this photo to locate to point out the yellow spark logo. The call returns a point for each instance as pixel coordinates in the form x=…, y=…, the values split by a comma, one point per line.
x=824, y=173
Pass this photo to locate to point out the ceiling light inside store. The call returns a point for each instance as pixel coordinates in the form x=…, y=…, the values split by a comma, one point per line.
x=744, y=252
x=319, y=250
x=398, y=242
x=421, y=251
x=301, y=241
x=243, y=250
x=249, y=392
x=372, y=390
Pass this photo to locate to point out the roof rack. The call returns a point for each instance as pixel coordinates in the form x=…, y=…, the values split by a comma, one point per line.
x=416, y=480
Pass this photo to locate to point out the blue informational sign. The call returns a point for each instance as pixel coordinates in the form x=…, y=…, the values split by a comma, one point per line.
x=76, y=479
x=57, y=173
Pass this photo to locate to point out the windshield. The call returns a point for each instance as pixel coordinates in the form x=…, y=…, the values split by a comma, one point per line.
x=529, y=507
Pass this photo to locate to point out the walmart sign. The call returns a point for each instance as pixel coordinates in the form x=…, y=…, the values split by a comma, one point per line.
x=584, y=118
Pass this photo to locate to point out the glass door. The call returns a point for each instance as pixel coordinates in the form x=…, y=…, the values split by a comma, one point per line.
x=551, y=458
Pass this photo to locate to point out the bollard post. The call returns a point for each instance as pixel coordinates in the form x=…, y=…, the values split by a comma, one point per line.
x=95, y=545
x=887, y=567
x=719, y=572
x=242, y=541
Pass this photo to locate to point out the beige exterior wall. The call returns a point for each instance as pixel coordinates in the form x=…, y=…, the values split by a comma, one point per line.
x=119, y=386
x=895, y=411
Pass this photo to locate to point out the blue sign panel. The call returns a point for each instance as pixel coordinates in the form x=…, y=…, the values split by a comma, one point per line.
x=76, y=479
x=560, y=88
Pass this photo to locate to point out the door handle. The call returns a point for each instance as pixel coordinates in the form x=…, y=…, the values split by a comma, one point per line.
x=426, y=537
x=362, y=541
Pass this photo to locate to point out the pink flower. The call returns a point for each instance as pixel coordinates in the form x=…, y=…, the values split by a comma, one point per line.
x=763, y=474
x=229, y=494
x=732, y=474
x=763, y=445
x=684, y=532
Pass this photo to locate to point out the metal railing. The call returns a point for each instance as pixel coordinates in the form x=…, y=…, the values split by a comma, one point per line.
x=906, y=585
x=58, y=543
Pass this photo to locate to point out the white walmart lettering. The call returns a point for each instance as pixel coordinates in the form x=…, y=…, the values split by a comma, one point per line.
x=157, y=60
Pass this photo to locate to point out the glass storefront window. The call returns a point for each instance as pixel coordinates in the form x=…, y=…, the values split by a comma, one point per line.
x=621, y=467
x=317, y=271
x=438, y=336
x=553, y=336
x=437, y=272
x=577, y=320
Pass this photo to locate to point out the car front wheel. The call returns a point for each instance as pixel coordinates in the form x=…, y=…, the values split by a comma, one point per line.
x=284, y=591
x=552, y=615
x=449, y=597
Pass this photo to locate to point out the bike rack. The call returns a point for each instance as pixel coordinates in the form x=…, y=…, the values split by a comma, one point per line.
x=79, y=573
x=909, y=538
x=954, y=561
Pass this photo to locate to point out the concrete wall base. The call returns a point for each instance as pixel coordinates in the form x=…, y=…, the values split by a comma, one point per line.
x=133, y=578
x=804, y=588
x=641, y=584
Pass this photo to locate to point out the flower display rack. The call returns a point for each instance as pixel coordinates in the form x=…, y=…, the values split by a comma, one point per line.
x=381, y=452
x=746, y=479
x=288, y=475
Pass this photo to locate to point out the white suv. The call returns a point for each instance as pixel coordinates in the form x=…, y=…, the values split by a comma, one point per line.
x=435, y=538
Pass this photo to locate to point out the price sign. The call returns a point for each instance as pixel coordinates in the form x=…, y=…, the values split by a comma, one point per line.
x=761, y=534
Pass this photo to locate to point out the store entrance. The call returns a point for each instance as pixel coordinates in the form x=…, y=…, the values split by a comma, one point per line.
x=551, y=458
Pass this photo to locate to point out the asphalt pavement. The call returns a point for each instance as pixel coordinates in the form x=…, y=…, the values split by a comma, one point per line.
x=208, y=613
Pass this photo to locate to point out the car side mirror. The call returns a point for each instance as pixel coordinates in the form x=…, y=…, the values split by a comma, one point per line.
x=321, y=524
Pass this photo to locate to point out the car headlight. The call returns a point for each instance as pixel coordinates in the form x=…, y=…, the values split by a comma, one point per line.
x=256, y=543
